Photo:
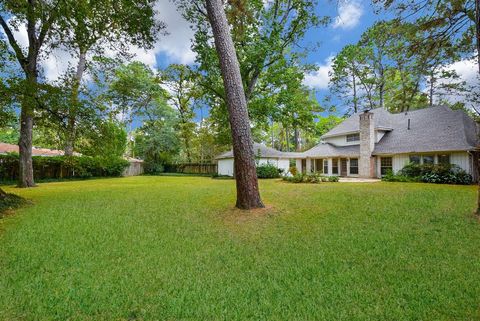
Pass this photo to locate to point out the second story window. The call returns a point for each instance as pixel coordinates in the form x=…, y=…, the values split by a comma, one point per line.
x=353, y=138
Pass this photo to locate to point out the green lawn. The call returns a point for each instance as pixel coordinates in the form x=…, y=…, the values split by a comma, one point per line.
x=172, y=248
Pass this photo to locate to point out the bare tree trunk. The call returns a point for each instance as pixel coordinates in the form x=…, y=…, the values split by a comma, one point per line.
x=432, y=79
x=72, y=115
x=355, y=102
x=248, y=195
x=297, y=139
x=25, y=142
x=477, y=29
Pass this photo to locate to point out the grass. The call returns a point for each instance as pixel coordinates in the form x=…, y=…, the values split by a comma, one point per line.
x=172, y=248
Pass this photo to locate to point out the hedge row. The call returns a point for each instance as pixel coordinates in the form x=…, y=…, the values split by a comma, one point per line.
x=430, y=173
x=57, y=167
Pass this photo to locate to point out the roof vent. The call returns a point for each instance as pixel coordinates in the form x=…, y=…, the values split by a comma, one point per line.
x=408, y=127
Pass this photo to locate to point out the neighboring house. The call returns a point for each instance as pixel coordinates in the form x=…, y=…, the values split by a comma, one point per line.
x=135, y=168
x=264, y=155
x=10, y=148
x=370, y=143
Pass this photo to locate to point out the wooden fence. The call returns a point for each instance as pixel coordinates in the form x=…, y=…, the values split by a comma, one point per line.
x=197, y=168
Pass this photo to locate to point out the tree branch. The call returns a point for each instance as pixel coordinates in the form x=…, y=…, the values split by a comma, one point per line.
x=11, y=39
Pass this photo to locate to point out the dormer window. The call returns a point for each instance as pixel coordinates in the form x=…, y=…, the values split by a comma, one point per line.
x=353, y=138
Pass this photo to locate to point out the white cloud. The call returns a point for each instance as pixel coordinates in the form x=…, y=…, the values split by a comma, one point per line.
x=349, y=14
x=176, y=45
x=467, y=70
x=320, y=78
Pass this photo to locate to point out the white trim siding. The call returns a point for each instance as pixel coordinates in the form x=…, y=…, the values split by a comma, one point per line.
x=399, y=161
x=225, y=165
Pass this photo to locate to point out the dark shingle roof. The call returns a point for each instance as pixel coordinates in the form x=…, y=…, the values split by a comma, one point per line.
x=431, y=129
x=262, y=151
x=329, y=150
x=351, y=124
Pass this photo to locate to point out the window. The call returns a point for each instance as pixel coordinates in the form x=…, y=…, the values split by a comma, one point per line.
x=335, y=166
x=318, y=165
x=444, y=159
x=353, y=166
x=385, y=165
x=312, y=165
x=353, y=138
x=428, y=159
x=325, y=166
x=415, y=159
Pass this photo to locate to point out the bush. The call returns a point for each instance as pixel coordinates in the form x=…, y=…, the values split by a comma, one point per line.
x=313, y=178
x=56, y=167
x=333, y=178
x=154, y=168
x=430, y=173
x=267, y=171
x=293, y=170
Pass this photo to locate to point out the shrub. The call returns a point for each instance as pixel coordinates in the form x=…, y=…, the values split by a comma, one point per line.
x=293, y=170
x=267, y=171
x=430, y=173
x=333, y=178
x=313, y=178
x=154, y=168
x=56, y=167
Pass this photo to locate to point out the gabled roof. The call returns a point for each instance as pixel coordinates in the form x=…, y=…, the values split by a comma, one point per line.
x=431, y=129
x=352, y=125
x=262, y=151
x=329, y=150
x=435, y=129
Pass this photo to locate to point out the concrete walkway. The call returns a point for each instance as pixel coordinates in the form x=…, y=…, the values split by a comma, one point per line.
x=358, y=180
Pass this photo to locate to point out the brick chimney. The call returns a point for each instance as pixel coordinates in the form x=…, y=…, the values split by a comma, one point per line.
x=367, y=144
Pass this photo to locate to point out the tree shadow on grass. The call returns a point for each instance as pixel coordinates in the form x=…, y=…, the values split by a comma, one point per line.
x=9, y=202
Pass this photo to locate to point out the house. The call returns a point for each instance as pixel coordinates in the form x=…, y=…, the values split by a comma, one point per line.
x=370, y=143
x=36, y=151
x=136, y=166
x=264, y=155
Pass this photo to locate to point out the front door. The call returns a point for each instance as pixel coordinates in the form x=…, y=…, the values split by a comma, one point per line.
x=343, y=167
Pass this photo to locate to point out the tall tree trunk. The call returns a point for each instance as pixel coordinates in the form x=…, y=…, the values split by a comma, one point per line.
x=432, y=82
x=297, y=139
x=71, y=134
x=25, y=142
x=355, y=102
x=248, y=195
x=477, y=28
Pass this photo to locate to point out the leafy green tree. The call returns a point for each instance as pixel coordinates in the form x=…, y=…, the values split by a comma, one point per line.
x=442, y=21
x=40, y=19
x=264, y=37
x=181, y=83
x=133, y=90
x=93, y=27
x=135, y=93
x=156, y=141
x=386, y=69
x=107, y=139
